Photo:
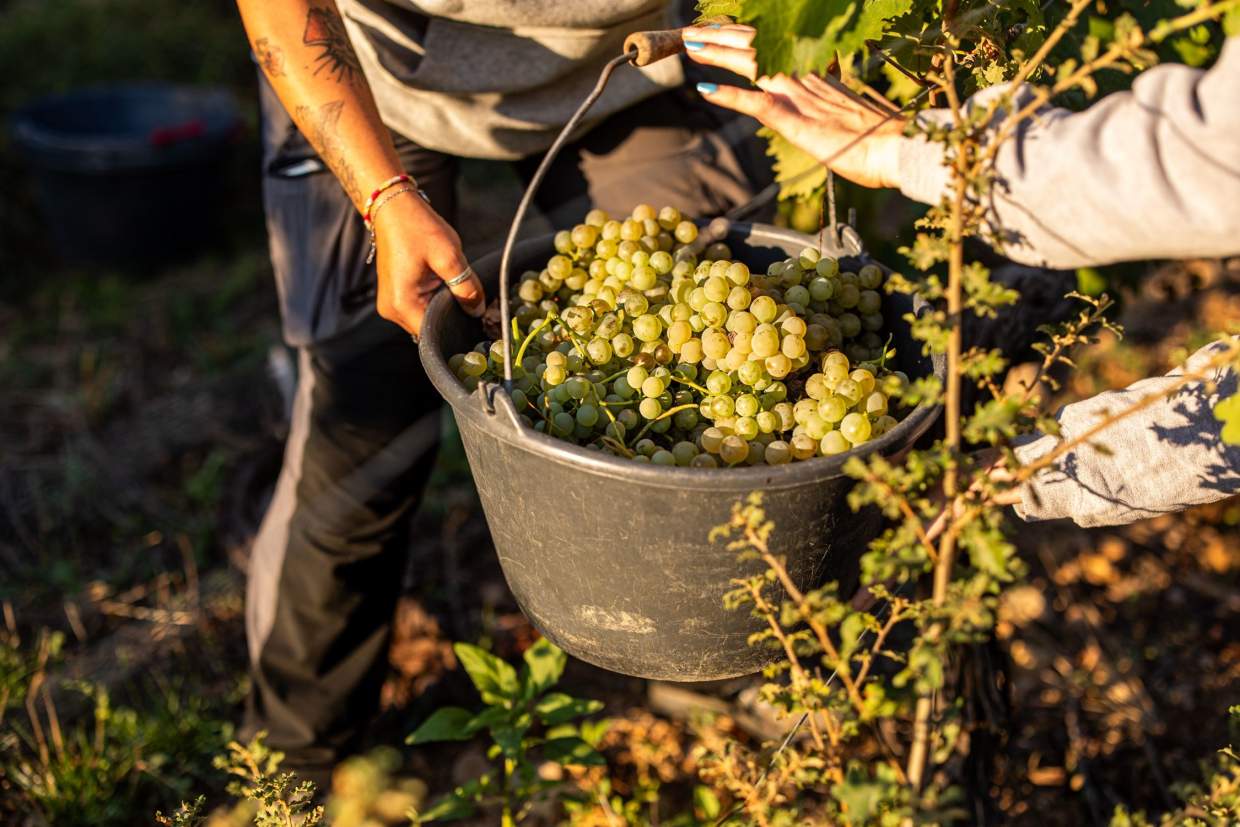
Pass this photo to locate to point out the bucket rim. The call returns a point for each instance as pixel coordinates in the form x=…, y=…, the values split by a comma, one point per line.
x=492, y=411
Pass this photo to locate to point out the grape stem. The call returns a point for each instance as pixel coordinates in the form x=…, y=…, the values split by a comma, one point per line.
x=529, y=337
x=693, y=385
x=664, y=415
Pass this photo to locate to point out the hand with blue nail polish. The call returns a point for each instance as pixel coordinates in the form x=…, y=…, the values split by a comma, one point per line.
x=854, y=137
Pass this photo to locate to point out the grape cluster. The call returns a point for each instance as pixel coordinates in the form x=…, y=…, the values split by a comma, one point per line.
x=642, y=340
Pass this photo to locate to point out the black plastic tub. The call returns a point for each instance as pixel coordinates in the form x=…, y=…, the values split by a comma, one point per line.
x=127, y=173
x=609, y=558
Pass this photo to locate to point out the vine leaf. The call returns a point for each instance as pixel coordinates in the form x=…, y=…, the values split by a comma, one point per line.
x=804, y=36
x=1228, y=411
x=799, y=174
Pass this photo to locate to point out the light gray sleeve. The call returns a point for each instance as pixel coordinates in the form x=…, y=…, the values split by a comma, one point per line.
x=1150, y=173
x=1165, y=458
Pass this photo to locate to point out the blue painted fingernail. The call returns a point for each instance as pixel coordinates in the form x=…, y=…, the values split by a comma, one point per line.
x=694, y=45
x=715, y=26
x=708, y=88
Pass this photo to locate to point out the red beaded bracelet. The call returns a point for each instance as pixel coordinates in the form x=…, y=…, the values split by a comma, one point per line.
x=403, y=178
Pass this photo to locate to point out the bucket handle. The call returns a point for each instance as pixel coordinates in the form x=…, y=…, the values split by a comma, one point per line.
x=640, y=49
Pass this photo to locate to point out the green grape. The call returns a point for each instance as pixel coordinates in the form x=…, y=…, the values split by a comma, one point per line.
x=711, y=440
x=684, y=452
x=872, y=323
x=662, y=263
x=576, y=388
x=741, y=321
x=820, y=289
x=596, y=218
x=802, y=447
x=883, y=424
x=587, y=416
x=686, y=232
x=643, y=278
x=870, y=276
x=765, y=340
x=827, y=267
x=742, y=343
x=738, y=298
x=815, y=426
x=876, y=404
x=621, y=388
x=893, y=384
x=563, y=422
x=714, y=314
x=474, y=364
x=849, y=390
x=797, y=295
x=647, y=327
x=718, y=383
x=863, y=378
x=802, y=409
x=599, y=351
x=733, y=450
x=777, y=452
x=816, y=387
x=816, y=338
x=850, y=325
x=631, y=230
x=833, y=409
x=834, y=443
x=716, y=288
x=746, y=427
x=650, y=408
x=738, y=273
x=686, y=420
x=691, y=351
x=856, y=428
x=793, y=347
x=646, y=447
x=768, y=421
x=779, y=365
x=787, y=416
x=653, y=386
x=717, y=252
x=848, y=296
x=715, y=343
x=662, y=457
x=584, y=235
x=752, y=372
x=722, y=406
x=622, y=345
x=607, y=248
x=868, y=303
x=747, y=405
x=530, y=291
x=764, y=309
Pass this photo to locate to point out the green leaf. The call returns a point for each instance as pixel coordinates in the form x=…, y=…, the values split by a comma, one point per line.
x=573, y=751
x=450, y=723
x=1228, y=411
x=807, y=36
x=1231, y=21
x=557, y=708
x=718, y=8
x=489, y=718
x=544, y=664
x=706, y=804
x=496, y=680
x=798, y=173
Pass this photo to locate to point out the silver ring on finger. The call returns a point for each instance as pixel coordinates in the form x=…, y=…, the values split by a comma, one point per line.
x=455, y=280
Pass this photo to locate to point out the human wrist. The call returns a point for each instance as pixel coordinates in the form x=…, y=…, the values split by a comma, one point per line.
x=884, y=152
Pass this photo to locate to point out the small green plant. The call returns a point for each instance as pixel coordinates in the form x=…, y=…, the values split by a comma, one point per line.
x=527, y=723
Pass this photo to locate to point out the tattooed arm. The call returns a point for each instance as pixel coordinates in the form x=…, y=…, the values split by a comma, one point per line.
x=304, y=51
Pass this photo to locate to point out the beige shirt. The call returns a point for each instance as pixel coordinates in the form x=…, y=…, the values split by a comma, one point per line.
x=499, y=78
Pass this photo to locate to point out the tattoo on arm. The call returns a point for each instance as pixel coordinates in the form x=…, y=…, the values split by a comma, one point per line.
x=321, y=128
x=270, y=57
x=325, y=31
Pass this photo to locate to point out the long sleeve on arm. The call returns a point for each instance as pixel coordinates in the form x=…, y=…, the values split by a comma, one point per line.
x=1149, y=173
x=1164, y=458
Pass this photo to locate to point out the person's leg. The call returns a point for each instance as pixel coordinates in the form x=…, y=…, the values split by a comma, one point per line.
x=329, y=558
x=672, y=149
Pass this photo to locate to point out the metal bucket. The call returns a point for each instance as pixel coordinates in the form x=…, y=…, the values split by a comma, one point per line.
x=609, y=558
